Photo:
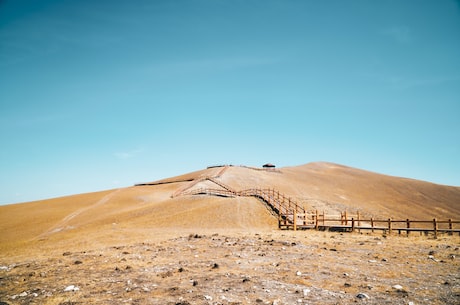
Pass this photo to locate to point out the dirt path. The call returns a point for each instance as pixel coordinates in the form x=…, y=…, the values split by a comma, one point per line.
x=64, y=223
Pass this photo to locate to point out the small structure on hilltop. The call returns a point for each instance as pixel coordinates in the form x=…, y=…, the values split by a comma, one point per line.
x=268, y=165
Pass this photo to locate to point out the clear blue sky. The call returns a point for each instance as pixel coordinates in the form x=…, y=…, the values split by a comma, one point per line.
x=97, y=95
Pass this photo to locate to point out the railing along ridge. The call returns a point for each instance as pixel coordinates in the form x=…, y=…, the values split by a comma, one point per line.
x=287, y=209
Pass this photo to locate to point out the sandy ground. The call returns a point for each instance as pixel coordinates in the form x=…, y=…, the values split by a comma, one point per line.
x=138, y=245
x=218, y=267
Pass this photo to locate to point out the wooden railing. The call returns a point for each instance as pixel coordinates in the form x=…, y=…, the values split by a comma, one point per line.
x=288, y=211
x=292, y=216
x=351, y=223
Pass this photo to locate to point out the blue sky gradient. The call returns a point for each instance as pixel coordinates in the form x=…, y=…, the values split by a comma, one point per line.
x=103, y=94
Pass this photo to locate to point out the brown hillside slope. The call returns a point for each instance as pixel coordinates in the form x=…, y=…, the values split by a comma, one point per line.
x=148, y=211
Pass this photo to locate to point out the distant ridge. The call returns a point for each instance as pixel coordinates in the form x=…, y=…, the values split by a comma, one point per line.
x=322, y=186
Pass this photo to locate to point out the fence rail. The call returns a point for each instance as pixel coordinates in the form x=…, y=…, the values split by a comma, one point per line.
x=353, y=223
x=292, y=216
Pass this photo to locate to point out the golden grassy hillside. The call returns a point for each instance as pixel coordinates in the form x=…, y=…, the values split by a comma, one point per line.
x=148, y=211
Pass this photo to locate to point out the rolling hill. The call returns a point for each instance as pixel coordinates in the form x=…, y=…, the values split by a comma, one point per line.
x=160, y=209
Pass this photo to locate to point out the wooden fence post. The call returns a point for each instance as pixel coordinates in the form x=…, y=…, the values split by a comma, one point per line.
x=389, y=225
x=435, y=227
x=359, y=221
x=316, y=219
x=295, y=220
x=352, y=224
x=372, y=224
x=408, y=226
x=324, y=218
x=450, y=227
x=346, y=218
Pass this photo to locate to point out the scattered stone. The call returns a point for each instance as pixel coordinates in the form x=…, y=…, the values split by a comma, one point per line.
x=215, y=266
x=397, y=287
x=207, y=297
x=362, y=296
x=432, y=258
x=77, y=262
x=347, y=285
x=194, y=283
x=71, y=288
x=298, y=273
x=306, y=292
x=66, y=253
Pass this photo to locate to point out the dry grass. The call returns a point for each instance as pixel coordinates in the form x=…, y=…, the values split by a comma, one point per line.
x=139, y=246
x=241, y=268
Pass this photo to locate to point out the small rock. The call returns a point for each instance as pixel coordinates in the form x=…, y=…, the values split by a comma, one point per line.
x=306, y=292
x=22, y=294
x=362, y=296
x=372, y=261
x=66, y=253
x=298, y=273
x=397, y=287
x=432, y=258
x=347, y=285
x=77, y=262
x=208, y=297
x=71, y=288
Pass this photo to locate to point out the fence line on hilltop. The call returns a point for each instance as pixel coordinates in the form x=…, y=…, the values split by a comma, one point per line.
x=292, y=216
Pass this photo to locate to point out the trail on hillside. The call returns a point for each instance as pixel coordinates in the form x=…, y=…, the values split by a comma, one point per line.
x=63, y=224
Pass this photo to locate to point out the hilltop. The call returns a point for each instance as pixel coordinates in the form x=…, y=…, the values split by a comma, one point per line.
x=154, y=206
x=167, y=242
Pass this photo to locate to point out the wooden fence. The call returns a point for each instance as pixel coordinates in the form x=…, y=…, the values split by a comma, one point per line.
x=349, y=223
x=292, y=216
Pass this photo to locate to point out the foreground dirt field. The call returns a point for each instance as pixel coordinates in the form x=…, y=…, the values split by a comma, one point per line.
x=278, y=267
x=144, y=245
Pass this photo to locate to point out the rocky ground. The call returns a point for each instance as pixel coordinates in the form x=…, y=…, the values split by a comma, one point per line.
x=244, y=268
